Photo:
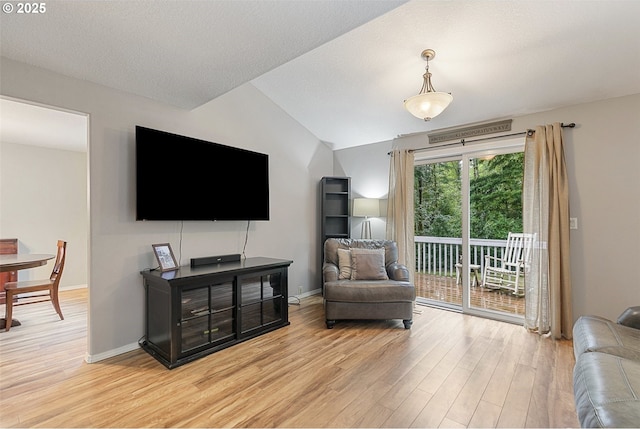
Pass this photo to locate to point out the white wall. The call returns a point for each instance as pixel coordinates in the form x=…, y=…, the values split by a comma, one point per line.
x=120, y=247
x=603, y=158
x=43, y=198
x=368, y=167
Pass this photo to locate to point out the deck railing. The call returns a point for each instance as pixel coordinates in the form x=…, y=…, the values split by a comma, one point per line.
x=439, y=255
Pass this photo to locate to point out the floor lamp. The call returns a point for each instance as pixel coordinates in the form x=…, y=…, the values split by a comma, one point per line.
x=366, y=207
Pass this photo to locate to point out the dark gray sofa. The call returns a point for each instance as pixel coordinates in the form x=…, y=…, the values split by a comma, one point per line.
x=362, y=279
x=606, y=377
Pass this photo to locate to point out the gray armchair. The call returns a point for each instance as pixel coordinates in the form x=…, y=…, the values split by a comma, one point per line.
x=362, y=279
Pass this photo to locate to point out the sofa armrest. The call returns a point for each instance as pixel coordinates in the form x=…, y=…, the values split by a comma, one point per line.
x=630, y=317
x=330, y=272
x=398, y=272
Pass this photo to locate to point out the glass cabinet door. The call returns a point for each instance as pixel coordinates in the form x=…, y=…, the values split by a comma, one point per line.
x=261, y=300
x=206, y=315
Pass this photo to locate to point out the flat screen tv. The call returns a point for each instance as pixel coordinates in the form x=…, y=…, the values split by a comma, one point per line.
x=183, y=178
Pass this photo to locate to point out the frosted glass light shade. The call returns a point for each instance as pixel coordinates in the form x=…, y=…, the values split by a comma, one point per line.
x=427, y=105
x=364, y=207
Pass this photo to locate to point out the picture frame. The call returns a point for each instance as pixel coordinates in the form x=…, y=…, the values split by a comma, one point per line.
x=165, y=257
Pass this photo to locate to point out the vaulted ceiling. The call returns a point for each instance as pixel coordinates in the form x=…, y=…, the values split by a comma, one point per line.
x=342, y=68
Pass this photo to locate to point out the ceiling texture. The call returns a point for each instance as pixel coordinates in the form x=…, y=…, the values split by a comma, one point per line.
x=342, y=68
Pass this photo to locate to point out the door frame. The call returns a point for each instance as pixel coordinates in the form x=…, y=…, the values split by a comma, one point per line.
x=464, y=153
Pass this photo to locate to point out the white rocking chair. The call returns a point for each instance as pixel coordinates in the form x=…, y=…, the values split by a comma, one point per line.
x=508, y=271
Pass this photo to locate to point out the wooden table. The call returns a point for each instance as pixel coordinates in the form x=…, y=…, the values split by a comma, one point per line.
x=474, y=273
x=21, y=261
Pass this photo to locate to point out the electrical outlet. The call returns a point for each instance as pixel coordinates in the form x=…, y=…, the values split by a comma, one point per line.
x=573, y=223
x=299, y=290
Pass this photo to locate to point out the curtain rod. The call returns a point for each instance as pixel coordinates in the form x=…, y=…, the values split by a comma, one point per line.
x=463, y=141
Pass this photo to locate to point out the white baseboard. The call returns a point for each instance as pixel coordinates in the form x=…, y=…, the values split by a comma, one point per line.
x=134, y=346
x=111, y=353
x=72, y=287
x=307, y=294
x=62, y=288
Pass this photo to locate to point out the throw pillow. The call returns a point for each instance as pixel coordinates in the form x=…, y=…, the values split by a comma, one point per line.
x=368, y=264
x=344, y=264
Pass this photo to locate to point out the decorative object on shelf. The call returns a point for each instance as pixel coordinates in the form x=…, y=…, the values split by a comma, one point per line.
x=165, y=257
x=429, y=103
x=366, y=207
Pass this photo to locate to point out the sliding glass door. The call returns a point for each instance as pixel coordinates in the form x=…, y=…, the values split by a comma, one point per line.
x=438, y=229
x=466, y=202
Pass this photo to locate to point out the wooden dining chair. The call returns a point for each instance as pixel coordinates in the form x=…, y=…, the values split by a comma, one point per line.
x=49, y=285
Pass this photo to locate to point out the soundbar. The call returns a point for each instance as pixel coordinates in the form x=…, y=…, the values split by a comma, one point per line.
x=212, y=260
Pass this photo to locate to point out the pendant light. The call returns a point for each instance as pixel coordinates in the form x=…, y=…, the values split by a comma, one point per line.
x=428, y=103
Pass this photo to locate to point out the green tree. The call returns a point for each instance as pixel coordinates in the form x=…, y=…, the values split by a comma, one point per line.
x=496, y=196
x=495, y=189
x=437, y=199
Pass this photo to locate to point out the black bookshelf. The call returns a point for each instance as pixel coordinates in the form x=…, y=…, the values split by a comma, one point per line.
x=336, y=196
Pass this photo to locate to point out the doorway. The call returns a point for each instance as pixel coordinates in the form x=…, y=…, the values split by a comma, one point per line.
x=44, y=185
x=466, y=201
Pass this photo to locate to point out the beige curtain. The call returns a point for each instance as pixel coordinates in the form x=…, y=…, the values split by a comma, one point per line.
x=400, y=227
x=546, y=214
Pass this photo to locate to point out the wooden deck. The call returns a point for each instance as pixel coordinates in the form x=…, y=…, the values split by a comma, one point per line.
x=445, y=289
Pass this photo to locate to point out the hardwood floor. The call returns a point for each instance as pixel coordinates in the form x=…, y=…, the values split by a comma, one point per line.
x=449, y=370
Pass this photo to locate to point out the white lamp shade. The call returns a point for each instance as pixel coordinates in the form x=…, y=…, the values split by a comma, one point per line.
x=363, y=207
x=428, y=105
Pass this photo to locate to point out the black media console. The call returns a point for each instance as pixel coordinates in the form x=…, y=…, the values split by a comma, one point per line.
x=195, y=311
